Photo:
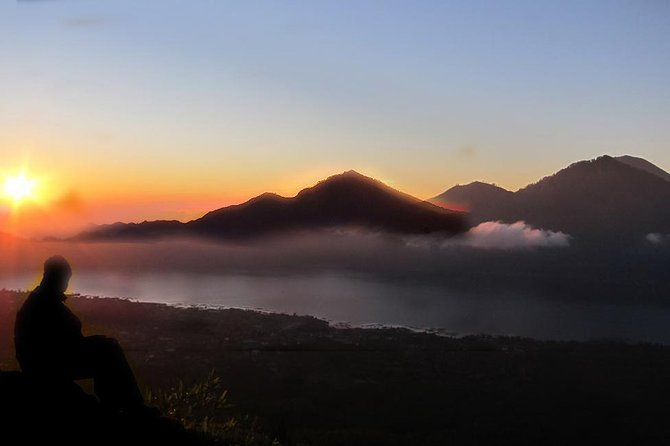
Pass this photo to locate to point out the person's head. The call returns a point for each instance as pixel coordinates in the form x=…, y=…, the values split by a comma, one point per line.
x=57, y=273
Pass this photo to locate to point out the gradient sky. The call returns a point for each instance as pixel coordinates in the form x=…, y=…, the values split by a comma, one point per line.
x=128, y=110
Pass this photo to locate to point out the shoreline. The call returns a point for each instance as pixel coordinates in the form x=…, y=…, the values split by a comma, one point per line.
x=344, y=324
x=339, y=324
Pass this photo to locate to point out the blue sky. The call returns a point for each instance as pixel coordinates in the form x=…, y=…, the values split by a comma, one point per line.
x=205, y=98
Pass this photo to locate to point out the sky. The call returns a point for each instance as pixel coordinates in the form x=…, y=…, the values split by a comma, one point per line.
x=133, y=110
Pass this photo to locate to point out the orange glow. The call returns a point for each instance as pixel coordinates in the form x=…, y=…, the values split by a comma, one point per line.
x=19, y=188
x=451, y=206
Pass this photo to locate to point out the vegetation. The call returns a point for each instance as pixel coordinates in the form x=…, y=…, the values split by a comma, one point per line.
x=204, y=407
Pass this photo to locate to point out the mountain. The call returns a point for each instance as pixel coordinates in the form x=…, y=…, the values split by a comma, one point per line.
x=641, y=163
x=146, y=229
x=604, y=198
x=598, y=197
x=483, y=201
x=344, y=200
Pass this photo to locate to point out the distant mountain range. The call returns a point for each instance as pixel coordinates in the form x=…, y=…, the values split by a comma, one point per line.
x=602, y=199
x=346, y=200
x=623, y=197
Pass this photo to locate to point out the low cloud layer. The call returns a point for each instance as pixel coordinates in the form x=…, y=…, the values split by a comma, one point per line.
x=495, y=235
x=657, y=239
x=519, y=235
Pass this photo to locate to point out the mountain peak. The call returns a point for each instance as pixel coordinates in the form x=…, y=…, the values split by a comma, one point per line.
x=347, y=180
x=266, y=196
x=479, y=185
x=473, y=195
x=350, y=175
x=600, y=161
x=603, y=169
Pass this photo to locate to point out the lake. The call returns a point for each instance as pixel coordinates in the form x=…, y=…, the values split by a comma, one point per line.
x=354, y=300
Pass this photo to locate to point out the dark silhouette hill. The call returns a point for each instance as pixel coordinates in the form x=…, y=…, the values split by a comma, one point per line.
x=604, y=198
x=41, y=412
x=601, y=197
x=643, y=164
x=483, y=201
x=146, y=229
x=347, y=200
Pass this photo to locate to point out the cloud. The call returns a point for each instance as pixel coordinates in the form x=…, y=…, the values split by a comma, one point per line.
x=656, y=239
x=88, y=21
x=71, y=201
x=466, y=152
x=497, y=235
x=519, y=235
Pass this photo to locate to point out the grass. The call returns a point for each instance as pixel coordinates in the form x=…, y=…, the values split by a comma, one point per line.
x=204, y=407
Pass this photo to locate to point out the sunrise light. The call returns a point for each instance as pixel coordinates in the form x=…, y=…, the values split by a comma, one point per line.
x=19, y=188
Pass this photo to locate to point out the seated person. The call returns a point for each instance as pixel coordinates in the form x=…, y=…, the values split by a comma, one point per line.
x=51, y=346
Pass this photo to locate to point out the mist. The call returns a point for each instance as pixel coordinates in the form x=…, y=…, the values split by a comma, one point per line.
x=532, y=283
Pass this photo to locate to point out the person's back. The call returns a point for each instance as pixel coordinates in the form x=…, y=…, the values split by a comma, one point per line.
x=46, y=332
x=50, y=345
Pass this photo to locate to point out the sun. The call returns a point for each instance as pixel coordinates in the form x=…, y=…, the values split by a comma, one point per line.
x=19, y=188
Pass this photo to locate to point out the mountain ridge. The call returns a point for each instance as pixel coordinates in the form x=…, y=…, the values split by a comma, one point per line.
x=348, y=199
x=599, y=198
x=643, y=164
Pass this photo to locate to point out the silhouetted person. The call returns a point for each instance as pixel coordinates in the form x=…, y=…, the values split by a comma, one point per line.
x=50, y=346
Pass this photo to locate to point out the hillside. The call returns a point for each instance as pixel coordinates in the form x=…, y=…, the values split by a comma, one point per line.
x=328, y=386
x=643, y=164
x=601, y=197
x=347, y=200
x=604, y=198
x=483, y=201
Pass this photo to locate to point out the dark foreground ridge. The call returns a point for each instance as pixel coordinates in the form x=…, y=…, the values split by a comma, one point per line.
x=319, y=385
x=32, y=412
